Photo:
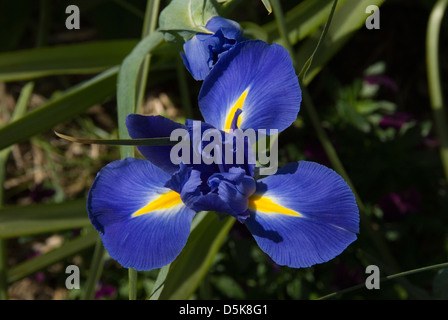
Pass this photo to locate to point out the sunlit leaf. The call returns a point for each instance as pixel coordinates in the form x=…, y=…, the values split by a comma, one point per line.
x=302, y=20
x=267, y=5
x=347, y=19
x=184, y=18
x=127, y=83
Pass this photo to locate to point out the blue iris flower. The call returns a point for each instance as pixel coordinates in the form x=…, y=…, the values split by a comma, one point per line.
x=205, y=49
x=300, y=216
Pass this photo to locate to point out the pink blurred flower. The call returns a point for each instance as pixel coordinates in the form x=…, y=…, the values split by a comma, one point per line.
x=395, y=120
x=397, y=205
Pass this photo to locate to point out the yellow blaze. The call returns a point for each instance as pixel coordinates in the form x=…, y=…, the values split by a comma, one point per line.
x=165, y=201
x=264, y=204
x=238, y=105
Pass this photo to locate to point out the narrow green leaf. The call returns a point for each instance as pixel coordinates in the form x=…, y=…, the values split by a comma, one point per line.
x=163, y=272
x=347, y=19
x=267, y=5
x=159, y=284
x=85, y=58
x=95, y=270
x=68, y=249
x=184, y=18
x=18, y=221
x=434, y=79
x=302, y=20
x=127, y=82
x=188, y=270
x=60, y=109
x=121, y=142
x=307, y=64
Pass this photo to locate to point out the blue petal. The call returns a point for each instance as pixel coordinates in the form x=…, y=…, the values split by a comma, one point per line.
x=258, y=76
x=140, y=126
x=303, y=215
x=229, y=28
x=198, y=54
x=226, y=192
x=203, y=50
x=239, y=148
x=143, y=225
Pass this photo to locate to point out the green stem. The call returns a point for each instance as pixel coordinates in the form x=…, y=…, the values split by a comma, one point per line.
x=434, y=81
x=383, y=279
x=132, y=284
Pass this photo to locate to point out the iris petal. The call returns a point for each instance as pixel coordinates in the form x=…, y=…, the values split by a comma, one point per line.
x=303, y=215
x=230, y=29
x=203, y=50
x=143, y=225
x=261, y=73
x=140, y=126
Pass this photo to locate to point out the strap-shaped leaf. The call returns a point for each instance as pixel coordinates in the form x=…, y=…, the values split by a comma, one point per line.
x=60, y=109
x=127, y=83
x=347, y=19
x=188, y=270
x=302, y=20
x=18, y=221
x=68, y=249
x=121, y=142
x=84, y=58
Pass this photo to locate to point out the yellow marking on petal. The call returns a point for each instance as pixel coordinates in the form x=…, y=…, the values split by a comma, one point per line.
x=264, y=204
x=238, y=105
x=165, y=201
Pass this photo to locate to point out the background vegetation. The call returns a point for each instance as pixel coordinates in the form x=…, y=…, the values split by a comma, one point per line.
x=372, y=110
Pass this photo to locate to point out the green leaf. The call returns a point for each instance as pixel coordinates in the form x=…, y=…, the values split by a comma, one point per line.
x=68, y=249
x=307, y=64
x=188, y=270
x=163, y=141
x=85, y=58
x=347, y=19
x=267, y=5
x=127, y=82
x=184, y=18
x=18, y=221
x=62, y=108
x=302, y=20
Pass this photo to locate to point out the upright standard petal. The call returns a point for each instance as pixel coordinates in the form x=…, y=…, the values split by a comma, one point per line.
x=143, y=224
x=203, y=50
x=141, y=126
x=254, y=85
x=303, y=215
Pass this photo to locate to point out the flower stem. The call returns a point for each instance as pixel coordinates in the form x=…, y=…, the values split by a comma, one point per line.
x=434, y=81
x=132, y=274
